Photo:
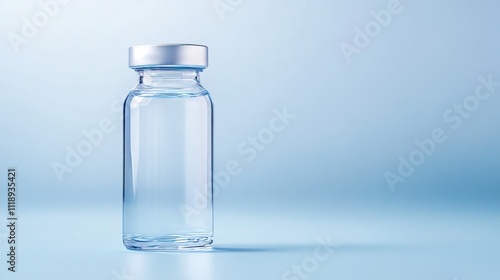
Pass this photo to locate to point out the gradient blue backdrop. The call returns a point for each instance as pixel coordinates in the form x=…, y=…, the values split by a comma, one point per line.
x=321, y=176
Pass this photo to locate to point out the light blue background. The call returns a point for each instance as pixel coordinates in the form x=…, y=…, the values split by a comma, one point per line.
x=321, y=176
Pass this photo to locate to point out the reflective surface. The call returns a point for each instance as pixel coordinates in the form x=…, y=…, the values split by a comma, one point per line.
x=337, y=242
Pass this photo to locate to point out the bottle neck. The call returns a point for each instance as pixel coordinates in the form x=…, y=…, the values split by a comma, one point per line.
x=168, y=76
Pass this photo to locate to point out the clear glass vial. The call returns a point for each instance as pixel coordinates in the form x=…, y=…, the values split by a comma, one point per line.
x=167, y=188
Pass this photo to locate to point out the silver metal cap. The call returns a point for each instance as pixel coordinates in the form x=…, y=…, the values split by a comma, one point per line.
x=168, y=55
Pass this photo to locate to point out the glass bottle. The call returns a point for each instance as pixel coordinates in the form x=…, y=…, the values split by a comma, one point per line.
x=167, y=188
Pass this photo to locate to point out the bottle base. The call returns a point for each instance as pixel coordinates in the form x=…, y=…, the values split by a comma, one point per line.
x=166, y=242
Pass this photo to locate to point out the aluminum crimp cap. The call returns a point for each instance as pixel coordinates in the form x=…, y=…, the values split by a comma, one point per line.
x=168, y=55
